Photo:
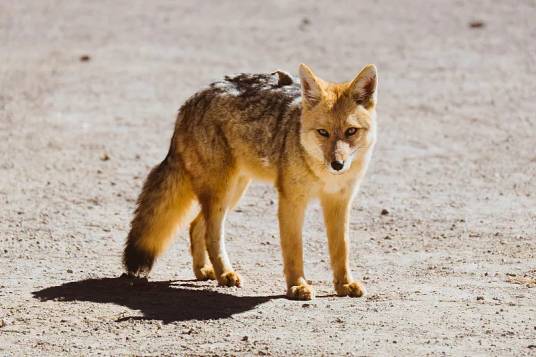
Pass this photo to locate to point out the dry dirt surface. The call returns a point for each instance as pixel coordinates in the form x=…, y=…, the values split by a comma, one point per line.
x=88, y=95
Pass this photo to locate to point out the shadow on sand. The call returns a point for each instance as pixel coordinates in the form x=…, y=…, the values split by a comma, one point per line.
x=167, y=301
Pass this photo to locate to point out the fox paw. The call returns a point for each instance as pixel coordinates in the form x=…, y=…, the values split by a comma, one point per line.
x=301, y=292
x=205, y=272
x=353, y=289
x=229, y=279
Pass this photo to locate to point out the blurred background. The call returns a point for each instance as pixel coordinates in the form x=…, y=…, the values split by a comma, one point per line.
x=89, y=91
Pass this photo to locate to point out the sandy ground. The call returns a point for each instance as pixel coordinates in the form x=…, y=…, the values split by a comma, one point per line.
x=450, y=270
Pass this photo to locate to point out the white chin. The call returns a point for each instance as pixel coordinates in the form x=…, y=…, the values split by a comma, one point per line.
x=335, y=172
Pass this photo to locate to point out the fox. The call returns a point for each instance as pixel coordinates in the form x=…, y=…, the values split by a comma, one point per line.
x=310, y=138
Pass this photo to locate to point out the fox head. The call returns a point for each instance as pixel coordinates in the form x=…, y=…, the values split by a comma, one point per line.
x=338, y=120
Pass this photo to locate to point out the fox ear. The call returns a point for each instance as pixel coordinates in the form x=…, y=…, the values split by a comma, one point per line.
x=311, y=89
x=363, y=88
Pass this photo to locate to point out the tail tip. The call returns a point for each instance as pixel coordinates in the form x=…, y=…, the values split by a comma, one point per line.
x=137, y=262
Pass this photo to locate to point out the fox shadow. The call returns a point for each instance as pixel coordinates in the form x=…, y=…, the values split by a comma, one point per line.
x=167, y=301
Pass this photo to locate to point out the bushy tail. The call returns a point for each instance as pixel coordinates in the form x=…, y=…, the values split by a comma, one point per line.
x=165, y=199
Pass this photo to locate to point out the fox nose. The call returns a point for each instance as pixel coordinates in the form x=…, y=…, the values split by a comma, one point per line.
x=337, y=165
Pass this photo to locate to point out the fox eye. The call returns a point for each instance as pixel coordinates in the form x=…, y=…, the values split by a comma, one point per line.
x=323, y=132
x=350, y=131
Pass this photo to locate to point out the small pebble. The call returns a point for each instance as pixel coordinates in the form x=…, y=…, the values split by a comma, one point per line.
x=476, y=24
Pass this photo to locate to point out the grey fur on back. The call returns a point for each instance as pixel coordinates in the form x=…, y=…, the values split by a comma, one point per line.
x=260, y=108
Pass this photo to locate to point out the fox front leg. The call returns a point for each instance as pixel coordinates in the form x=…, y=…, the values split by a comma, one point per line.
x=291, y=213
x=336, y=216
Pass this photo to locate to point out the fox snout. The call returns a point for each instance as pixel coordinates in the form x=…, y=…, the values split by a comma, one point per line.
x=339, y=157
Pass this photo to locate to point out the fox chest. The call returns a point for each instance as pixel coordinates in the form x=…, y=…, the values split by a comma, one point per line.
x=338, y=185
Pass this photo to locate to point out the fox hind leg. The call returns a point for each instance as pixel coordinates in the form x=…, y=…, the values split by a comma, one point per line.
x=202, y=266
x=215, y=199
x=201, y=263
